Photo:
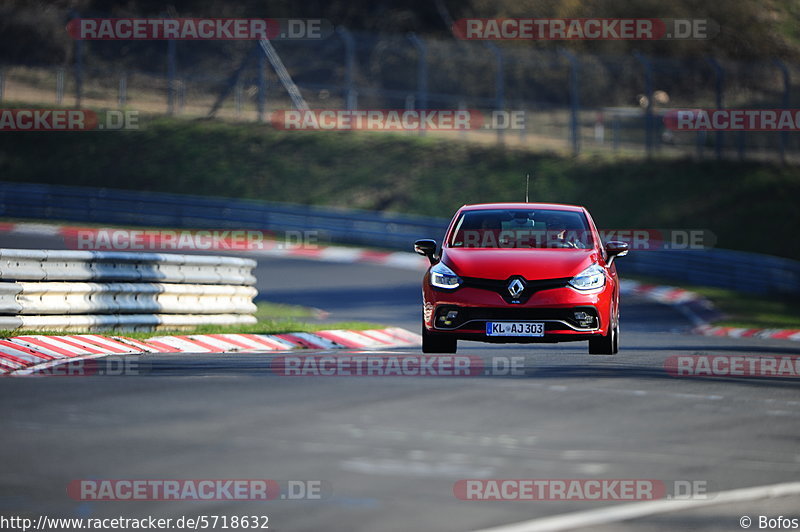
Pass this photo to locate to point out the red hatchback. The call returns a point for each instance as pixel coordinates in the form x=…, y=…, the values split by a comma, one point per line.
x=519, y=273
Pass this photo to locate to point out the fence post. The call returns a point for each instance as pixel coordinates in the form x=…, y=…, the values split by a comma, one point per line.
x=237, y=99
x=78, y=72
x=181, y=90
x=787, y=86
x=77, y=69
x=171, y=73
x=422, y=72
x=350, y=93
x=574, y=102
x=462, y=106
x=719, y=87
x=648, y=113
x=262, y=87
x=499, y=84
x=59, y=86
x=122, y=97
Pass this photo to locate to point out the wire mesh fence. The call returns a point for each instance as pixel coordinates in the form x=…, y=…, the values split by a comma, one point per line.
x=571, y=102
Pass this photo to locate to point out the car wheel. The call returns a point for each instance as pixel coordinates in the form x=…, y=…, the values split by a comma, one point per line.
x=437, y=343
x=605, y=345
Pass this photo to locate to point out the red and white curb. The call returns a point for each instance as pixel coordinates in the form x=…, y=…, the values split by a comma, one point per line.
x=690, y=302
x=668, y=295
x=738, y=332
x=25, y=354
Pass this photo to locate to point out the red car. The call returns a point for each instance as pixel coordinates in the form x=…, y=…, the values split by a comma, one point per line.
x=521, y=272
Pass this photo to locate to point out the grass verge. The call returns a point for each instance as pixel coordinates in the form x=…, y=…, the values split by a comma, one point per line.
x=273, y=318
x=418, y=175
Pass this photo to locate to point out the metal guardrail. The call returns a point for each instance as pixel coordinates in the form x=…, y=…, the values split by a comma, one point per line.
x=741, y=271
x=60, y=265
x=161, y=290
x=119, y=298
x=130, y=208
x=736, y=270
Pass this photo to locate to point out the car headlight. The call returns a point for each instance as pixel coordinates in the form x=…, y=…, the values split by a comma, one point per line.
x=589, y=279
x=444, y=277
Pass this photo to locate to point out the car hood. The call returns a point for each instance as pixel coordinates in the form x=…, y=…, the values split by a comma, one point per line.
x=530, y=263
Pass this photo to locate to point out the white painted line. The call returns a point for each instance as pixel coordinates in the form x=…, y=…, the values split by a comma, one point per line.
x=624, y=512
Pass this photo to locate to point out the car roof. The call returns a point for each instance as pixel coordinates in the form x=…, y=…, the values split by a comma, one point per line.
x=554, y=206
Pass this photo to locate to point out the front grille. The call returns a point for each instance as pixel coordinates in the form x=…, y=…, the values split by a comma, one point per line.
x=501, y=287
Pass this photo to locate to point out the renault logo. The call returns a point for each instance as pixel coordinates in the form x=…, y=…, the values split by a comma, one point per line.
x=516, y=286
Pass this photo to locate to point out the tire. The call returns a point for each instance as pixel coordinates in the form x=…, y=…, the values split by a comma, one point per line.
x=437, y=343
x=605, y=345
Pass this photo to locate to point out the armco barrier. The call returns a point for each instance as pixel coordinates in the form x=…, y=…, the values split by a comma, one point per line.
x=60, y=265
x=130, y=208
x=116, y=298
x=39, y=290
x=745, y=272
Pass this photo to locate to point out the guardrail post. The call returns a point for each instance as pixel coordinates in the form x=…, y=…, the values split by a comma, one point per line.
x=422, y=72
x=350, y=92
x=719, y=87
x=499, y=83
x=171, y=73
x=787, y=87
x=648, y=113
x=574, y=104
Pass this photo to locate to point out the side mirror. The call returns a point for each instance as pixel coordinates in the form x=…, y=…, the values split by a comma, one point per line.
x=615, y=249
x=427, y=248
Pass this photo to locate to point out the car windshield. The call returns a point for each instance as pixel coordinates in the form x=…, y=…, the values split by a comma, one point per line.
x=522, y=228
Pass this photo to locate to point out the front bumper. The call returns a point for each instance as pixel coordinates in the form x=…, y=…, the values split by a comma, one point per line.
x=567, y=314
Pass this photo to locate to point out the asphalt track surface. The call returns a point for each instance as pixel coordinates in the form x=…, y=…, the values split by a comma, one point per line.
x=391, y=449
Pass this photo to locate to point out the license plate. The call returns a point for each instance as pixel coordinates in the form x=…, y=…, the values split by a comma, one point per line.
x=514, y=328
